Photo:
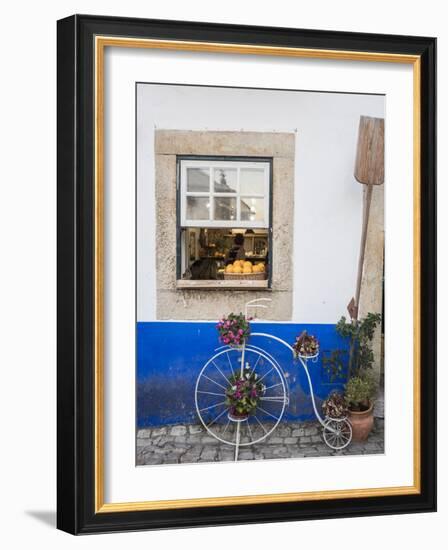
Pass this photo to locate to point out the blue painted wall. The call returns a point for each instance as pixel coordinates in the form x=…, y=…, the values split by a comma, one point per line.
x=170, y=356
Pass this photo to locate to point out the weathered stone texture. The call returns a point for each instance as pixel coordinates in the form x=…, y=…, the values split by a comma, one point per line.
x=166, y=222
x=190, y=142
x=194, y=304
x=208, y=304
x=371, y=297
x=196, y=446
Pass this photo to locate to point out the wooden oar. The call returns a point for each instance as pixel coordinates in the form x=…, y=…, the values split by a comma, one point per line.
x=369, y=170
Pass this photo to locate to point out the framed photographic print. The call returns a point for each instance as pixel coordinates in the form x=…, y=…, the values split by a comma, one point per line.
x=246, y=274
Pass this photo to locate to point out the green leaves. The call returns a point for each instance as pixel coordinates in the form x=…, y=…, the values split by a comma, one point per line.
x=334, y=364
x=359, y=391
x=360, y=387
x=360, y=332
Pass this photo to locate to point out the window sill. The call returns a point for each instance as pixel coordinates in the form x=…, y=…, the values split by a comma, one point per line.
x=212, y=284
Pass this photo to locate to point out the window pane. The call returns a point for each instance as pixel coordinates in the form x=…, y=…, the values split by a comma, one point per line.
x=225, y=208
x=224, y=180
x=252, y=181
x=198, y=208
x=252, y=209
x=198, y=180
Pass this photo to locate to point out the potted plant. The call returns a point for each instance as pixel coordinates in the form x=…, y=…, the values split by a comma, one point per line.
x=360, y=388
x=234, y=329
x=335, y=406
x=243, y=394
x=306, y=346
x=359, y=393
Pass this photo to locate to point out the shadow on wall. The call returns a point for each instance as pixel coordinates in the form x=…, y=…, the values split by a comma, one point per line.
x=170, y=356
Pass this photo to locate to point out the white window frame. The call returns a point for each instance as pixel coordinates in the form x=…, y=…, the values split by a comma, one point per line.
x=211, y=165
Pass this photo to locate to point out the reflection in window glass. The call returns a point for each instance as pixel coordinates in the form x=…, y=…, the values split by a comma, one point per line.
x=224, y=180
x=252, y=209
x=198, y=208
x=225, y=208
x=198, y=180
x=252, y=181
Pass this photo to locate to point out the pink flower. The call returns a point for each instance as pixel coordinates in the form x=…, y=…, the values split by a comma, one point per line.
x=226, y=340
x=240, y=331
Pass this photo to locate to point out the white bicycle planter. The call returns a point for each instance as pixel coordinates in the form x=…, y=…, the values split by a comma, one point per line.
x=213, y=381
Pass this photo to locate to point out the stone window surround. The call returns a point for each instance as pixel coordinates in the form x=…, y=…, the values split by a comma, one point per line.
x=177, y=300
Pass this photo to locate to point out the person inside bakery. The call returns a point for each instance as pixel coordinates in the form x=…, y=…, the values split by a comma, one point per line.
x=237, y=251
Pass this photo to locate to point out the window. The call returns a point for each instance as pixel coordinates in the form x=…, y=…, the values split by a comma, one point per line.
x=224, y=193
x=218, y=199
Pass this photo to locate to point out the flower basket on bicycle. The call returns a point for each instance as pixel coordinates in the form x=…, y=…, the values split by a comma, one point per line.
x=234, y=330
x=243, y=394
x=306, y=346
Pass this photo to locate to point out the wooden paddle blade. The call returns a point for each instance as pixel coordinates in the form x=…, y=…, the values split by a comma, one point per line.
x=352, y=309
x=369, y=165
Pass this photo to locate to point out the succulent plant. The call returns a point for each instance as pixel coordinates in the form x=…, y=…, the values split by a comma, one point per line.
x=335, y=406
x=306, y=345
x=359, y=391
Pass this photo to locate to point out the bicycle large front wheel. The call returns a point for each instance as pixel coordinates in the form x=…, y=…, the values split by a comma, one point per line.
x=210, y=396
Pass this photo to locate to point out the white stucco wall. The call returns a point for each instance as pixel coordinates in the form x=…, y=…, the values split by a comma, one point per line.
x=328, y=200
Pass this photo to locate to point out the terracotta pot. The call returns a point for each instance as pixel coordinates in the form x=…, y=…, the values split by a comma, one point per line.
x=362, y=423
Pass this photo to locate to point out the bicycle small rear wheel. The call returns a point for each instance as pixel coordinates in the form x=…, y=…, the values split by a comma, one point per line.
x=337, y=433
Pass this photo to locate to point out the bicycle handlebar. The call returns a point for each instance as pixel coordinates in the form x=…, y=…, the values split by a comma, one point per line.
x=254, y=303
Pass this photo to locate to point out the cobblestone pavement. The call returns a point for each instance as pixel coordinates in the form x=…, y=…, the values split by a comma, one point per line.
x=191, y=443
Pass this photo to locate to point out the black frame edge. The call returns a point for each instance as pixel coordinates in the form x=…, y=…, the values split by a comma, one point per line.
x=66, y=274
x=429, y=273
x=241, y=33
